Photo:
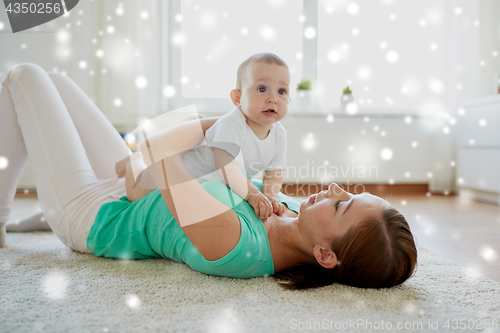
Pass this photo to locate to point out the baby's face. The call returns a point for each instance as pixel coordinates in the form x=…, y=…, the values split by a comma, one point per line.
x=266, y=86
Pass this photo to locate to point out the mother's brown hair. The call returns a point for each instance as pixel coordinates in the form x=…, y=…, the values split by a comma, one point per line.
x=375, y=254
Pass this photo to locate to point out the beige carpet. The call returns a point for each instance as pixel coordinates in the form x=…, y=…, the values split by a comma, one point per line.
x=45, y=287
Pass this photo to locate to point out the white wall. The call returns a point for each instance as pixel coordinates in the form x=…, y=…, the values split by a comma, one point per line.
x=44, y=49
x=435, y=150
x=489, y=42
x=65, y=42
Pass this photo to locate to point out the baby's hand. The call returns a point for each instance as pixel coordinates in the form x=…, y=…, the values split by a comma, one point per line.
x=121, y=167
x=278, y=207
x=262, y=206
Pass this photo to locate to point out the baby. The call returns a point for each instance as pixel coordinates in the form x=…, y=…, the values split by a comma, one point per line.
x=252, y=128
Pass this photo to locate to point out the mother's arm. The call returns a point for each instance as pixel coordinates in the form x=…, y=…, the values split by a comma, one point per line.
x=134, y=165
x=211, y=226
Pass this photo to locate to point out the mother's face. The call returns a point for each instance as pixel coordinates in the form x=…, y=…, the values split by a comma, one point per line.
x=329, y=214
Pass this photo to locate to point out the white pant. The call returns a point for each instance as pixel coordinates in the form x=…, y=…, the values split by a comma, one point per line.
x=72, y=146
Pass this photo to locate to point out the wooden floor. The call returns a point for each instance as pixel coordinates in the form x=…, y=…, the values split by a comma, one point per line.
x=456, y=228
x=465, y=231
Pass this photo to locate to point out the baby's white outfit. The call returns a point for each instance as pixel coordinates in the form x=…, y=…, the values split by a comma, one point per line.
x=232, y=134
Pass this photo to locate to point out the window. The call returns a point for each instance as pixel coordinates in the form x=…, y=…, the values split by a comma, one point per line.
x=396, y=56
x=390, y=53
x=208, y=41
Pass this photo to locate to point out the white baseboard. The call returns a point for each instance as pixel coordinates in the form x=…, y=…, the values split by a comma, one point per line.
x=483, y=196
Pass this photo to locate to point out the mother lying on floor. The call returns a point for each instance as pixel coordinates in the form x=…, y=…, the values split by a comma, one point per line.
x=332, y=237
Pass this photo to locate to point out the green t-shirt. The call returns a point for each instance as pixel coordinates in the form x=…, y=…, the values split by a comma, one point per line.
x=146, y=229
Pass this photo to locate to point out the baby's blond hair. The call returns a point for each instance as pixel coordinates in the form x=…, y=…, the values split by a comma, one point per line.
x=268, y=58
